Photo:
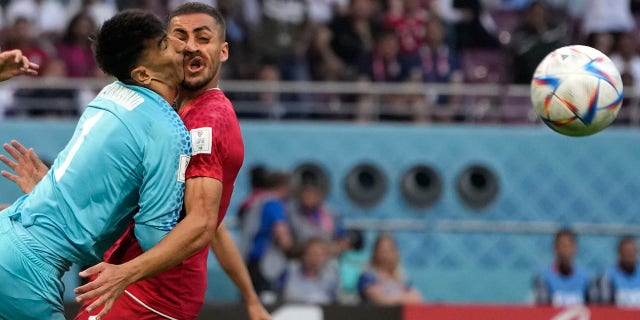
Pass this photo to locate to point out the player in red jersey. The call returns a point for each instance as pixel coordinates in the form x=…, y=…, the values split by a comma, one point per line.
x=218, y=152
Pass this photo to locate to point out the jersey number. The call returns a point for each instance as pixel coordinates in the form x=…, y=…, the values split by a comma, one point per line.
x=86, y=127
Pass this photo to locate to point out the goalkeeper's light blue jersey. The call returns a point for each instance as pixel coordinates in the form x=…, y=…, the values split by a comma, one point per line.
x=125, y=161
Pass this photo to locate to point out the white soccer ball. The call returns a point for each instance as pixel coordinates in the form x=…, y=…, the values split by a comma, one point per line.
x=576, y=90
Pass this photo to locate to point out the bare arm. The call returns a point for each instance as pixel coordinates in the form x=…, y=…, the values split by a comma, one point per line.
x=13, y=63
x=195, y=231
x=26, y=164
x=376, y=295
x=282, y=236
x=231, y=261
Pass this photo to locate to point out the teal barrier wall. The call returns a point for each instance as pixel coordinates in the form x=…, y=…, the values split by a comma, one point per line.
x=543, y=177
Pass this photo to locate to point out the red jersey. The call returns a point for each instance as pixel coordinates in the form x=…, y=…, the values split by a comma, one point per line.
x=410, y=29
x=217, y=152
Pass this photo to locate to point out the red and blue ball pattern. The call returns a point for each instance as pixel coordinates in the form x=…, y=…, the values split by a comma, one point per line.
x=577, y=91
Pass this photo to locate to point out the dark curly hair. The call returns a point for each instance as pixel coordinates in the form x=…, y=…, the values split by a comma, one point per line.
x=120, y=41
x=197, y=7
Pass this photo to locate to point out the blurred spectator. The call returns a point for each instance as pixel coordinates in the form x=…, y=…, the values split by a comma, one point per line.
x=265, y=236
x=39, y=102
x=533, y=40
x=313, y=279
x=284, y=36
x=324, y=63
x=56, y=68
x=602, y=41
x=437, y=62
x=563, y=283
x=408, y=19
x=322, y=11
x=620, y=284
x=251, y=13
x=387, y=64
x=269, y=104
x=258, y=186
x=353, y=35
x=158, y=7
x=626, y=57
x=606, y=16
x=75, y=47
x=383, y=282
x=474, y=27
x=99, y=10
x=48, y=17
x=244, y=61
x=22, y=36
x=309, y=217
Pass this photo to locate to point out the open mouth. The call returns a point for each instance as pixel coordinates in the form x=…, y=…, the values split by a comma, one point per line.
x=194, y=64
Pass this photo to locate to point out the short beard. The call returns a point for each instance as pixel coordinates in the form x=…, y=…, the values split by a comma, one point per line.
x=195, y=85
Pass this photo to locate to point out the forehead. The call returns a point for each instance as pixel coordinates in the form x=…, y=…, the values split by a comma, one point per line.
x=565, y=239
x=192, y=21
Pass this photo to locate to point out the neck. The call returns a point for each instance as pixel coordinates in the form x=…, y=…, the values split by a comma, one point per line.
x=187, y=96
x=564, y=267
x=310, y=272
x=166, y=91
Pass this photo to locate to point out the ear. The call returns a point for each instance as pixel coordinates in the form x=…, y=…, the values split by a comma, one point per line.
x=224, y=52
x=141, y=75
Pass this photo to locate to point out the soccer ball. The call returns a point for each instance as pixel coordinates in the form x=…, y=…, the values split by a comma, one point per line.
x=576, y=90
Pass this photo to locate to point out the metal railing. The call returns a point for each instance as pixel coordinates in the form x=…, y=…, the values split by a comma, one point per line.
x=352, y=101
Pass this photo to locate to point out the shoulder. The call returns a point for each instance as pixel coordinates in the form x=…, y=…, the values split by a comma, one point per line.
x=545, y=273
x=274, y=203
x=367, y=278
x=212, y=109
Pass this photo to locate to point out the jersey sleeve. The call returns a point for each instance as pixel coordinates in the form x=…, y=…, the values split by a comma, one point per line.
x=161, y=195
x=366, y=280
x=272, y=212
x=208, y=152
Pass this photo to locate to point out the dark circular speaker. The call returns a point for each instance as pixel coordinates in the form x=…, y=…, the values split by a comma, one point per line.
x=366, y=185
x=421, y=186
x=477, y=186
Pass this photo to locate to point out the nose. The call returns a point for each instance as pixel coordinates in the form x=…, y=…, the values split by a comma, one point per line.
x=191, y=45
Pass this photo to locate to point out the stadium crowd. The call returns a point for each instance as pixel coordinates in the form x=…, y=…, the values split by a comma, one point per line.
x=388, y=41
